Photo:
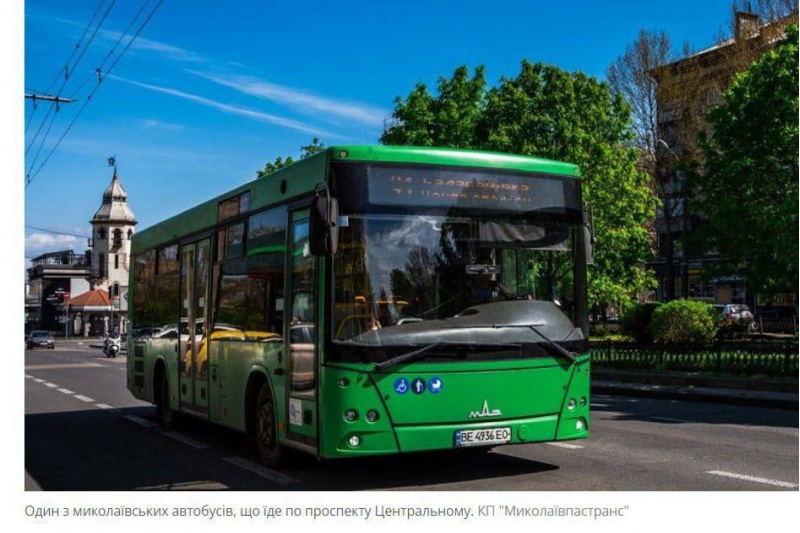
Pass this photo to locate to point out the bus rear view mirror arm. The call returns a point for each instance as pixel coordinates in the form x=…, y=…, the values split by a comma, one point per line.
x=323, y=230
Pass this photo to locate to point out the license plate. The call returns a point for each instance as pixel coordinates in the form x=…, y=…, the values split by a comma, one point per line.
x=482, y=437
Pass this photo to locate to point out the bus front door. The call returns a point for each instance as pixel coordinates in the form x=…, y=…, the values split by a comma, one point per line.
x=301, y=335
x=193, y=341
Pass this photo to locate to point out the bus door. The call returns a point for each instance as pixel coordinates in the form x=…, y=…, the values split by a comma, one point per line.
x=193, y=343
x=300, y=338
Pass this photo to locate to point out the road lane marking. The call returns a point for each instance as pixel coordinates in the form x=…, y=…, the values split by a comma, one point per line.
x=743, y=477
x=272, y=475
x=187, y=440
x=62, y=366
x=38, y=380
x=780, y=431
x=106, y=407
x=83, y=398
x=51, y=385
x=28, y=376
x=565, y=445
x=65, y=391
x=141, y=421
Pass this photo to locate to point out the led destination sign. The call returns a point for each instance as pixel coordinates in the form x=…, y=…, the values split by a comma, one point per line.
x=469, y=189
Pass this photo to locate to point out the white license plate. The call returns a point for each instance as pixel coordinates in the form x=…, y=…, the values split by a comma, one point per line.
x=482, y=437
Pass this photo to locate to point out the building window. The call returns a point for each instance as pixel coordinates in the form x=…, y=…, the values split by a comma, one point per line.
x=101, y=266
x=116, y=261
x=101, y=233
x=117, y=238
x=130, y=234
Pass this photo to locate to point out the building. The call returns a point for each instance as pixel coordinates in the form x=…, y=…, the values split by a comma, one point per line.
x=112, y=229
x=86, y=294
x=687, y=89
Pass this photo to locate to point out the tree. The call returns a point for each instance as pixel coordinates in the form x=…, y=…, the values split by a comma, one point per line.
x=747, y=187
x=305, y=151
x=643, y=77
x=548, y=112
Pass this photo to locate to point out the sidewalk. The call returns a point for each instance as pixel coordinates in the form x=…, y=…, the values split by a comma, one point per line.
x=672, y=387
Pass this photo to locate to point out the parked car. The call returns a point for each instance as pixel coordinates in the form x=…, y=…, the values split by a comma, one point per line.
x=735, y=312
x=40, y=338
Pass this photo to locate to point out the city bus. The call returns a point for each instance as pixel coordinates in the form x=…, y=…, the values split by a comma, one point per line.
x=372, y=300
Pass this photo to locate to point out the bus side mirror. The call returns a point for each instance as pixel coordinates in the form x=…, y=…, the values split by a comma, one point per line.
x=588, y=237
x=323, y=231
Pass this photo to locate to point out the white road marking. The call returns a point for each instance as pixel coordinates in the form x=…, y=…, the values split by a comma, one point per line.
x=38, y=380
x=743, y=477
x=272, y=475
x=65, y=391
x=28, y=376
x=83, y=398
x=187, y=440
x=141, y=421
x=565, y=445
x=106, y=407
x=781, y=431
x=51, y=385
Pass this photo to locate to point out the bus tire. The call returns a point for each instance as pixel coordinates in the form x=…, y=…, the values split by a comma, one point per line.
x=167, y=415
x=266, y=429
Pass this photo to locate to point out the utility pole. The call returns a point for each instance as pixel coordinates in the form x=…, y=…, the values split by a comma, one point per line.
x=49, y=98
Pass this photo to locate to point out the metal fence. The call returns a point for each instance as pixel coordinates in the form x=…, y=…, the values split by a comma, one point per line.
x=786, y=326
x=773, y=358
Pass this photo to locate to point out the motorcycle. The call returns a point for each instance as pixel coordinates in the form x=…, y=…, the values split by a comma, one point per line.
x=112, y=345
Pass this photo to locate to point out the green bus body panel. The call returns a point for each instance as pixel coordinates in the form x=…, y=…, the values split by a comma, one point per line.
x=452, y=156
x=532, y=396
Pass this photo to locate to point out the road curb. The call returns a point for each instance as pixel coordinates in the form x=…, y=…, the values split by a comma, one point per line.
x=689, y=395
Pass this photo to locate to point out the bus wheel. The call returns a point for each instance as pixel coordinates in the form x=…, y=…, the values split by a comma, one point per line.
x=168, y=416
x=266, y=426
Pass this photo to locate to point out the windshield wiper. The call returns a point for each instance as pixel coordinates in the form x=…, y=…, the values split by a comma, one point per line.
x=571, y=356
x=417, y=354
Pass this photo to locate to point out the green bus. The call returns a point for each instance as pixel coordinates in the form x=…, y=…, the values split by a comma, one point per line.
x=372, y=300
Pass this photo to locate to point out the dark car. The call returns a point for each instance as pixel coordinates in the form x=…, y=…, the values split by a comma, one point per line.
x=40, y=338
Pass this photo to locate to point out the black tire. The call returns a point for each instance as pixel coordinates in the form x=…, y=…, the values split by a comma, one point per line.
x=167, y=415
x=265, y=427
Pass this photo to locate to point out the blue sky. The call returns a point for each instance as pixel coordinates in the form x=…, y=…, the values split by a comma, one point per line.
x=210, y=91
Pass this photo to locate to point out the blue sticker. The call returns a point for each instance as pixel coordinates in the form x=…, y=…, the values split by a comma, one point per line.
x=418, y=386
x=435, y=385
x=401, y=386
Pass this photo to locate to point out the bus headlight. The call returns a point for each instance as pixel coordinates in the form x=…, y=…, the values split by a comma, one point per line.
x=354, y=441
x=571, y=405
x=583, y=401
x=372, y=415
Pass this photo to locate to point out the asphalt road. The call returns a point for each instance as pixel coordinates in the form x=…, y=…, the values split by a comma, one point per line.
x=84, y=431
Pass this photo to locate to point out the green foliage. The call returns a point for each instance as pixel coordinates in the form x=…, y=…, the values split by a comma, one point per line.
x=305, y=151
x=684, y=321
x=550, y=113
x=637, y=319
x=747, y=188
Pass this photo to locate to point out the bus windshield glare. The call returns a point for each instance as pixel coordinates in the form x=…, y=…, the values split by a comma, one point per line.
x=455, y=256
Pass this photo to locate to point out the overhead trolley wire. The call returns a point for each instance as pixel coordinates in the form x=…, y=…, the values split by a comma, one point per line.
x=101, y=77
x=63, y=70
x=67, y=73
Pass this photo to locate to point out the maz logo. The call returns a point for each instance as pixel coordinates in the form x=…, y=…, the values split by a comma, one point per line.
x=483, y=413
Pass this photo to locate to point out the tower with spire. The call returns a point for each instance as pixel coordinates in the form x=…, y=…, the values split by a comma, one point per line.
x=112, y=228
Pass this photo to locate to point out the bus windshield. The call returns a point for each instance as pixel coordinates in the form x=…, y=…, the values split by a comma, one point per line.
x=417, y=270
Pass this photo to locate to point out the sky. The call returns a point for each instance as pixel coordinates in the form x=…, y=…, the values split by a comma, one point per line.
x=210, y=91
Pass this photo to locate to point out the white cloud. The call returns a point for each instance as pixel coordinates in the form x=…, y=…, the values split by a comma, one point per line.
x=151, y=45
x=227, y=108
x=159, y=124
x=40, y=243
x=301, y=100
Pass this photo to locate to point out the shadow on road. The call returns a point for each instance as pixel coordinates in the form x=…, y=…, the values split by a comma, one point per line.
x=623, y=408
x=103, y=451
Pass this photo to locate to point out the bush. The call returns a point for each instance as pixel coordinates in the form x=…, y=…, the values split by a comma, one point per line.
x=636, y=321
x=684, y=321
